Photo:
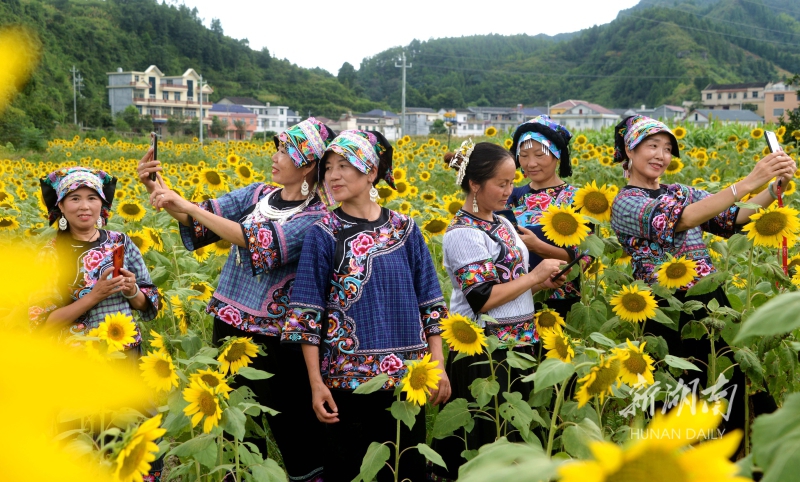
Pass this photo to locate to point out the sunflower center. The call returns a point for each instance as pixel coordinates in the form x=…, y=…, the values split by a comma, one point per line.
x=634, y=302
x=418, y=378
x=210, y=380
x=463, y=332
x=130, y=464
x=139, y=242
x=207, y=403
x=162, y=369
x=200, y=288
x=384, y=192
x=244, y=171
x=235, y=353
x=435, y=226
x=635, y=363
x=4, y=223
x=673, y=164
x=595, y=202
x=115, y=332
x=131, y=209
x=561, y=347
x=676, y=270
x=771, y=223
x=453, y=207
x=565, y=224
x=652, y=465
x=213, y=178
x=604, y=378
x=547, y=320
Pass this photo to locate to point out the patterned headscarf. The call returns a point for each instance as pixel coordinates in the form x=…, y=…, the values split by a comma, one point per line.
x=363, y=150
x=526, y=137
x=636, y=128
x=58, y=184
x=305, y=142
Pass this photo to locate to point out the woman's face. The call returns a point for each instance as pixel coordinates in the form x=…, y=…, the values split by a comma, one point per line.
x=538, y=163
x=344, y=180
x=651, y=157
x=81, y=208
x=284, y=171
x=493, y=194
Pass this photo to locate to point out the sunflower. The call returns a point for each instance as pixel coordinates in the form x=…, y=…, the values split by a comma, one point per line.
x=595, y=269
x=203, y=403
x=158, y=340
x=402, y=188
x=141, y=240
x=232, y=159
x=713, y=178
x=131, y=211
x=236, y=354
x=508, y=143
x=564, y=226
x=157, y=242
x=632, y=304
x=794, y=262
x=399, y=173
x=205, y=290
x=679, y=132
x=738, y=281
x=698, y=180
x=201, y=254
x=594, y=201
x=424, y=176
x=213, y=379
x=220, y=247
x=757, y=133
x=463, y=335
x=244, y=172
x=436, y=225
x=791, y=187
x=139, y=449
x=158, y=371
x=547, y=320
x=422, y=376
x=386, y=194
x=768, y=226
x=675, y=166
x=96, y=349
x=405, y=207
x=599, y=380
x=454, y=206
x=213, y=179
x=676, y=273
x=117, y=330
x=490, y=131
x=8, y=223
x=580, y=140
x=558, y=344
x=428, y=196
x=637, y=366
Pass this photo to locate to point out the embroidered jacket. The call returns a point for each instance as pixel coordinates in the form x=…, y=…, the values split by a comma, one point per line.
x=90, y=264
x=479, y=253
x=256, y=281
x=645, y=227
x=528, y=206
x=367, y=293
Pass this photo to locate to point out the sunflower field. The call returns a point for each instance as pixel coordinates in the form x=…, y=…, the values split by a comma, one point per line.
x=595, y=373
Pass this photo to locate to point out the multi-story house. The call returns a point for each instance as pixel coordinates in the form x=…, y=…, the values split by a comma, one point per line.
x=579, y=114
x=703, y=117
x=273, y=118
x=161, y=96
x=383, y=121
x=734, y=96
x=229, y=114
x=779, y=98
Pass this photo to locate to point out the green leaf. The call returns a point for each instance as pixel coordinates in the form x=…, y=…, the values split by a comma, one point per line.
x=502, y=460
x=746, y=205
x=680, y=363
x=594, y=244
x=269, y=471
x=251, y=373
x=406, y=412
x=776, y=441
x=373, y=385
x=601, y=339
x=517, y=412
x=431, y=455
x=207, y=360
x=520, y=360
x=550, y=372
x=377, y=455
x=233, y=421
x=707, y=284
x=576, y=438
x=737, y=244
x=191, y=344
x=484, y=389
x=664, y=319
x=775, y=317
x=452, y=417
x=750, y=365
x=193, y=446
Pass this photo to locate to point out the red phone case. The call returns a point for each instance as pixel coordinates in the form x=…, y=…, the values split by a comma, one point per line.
x=118, y=258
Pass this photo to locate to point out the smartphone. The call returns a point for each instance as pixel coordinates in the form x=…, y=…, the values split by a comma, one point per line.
x=508, y=214
x=772, y=142
x=570, y=265
x=154, y=142
x=118, y=257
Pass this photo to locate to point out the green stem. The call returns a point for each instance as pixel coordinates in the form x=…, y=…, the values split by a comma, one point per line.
x=749, y=280
x=236, y=452
x=219, y=457
x=746, y=422
x=196, y=462
x=712, y=367
x=496, y=402
x=559, y=398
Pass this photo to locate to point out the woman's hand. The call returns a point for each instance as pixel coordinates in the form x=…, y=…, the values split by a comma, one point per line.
x=544, y=271
x=320, y=395
x=776, y=164
x=129, y=286
x=443, y=390
x=106, y=287
x=148, y=165
x=529, y=238
x=164, y=198
x=789, y=174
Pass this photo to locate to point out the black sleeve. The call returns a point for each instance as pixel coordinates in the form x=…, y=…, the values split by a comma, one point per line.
x=478, y=296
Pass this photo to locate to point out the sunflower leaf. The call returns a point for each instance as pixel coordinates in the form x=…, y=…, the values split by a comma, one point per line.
x=517, y=412
x=594, y=245
x=776, y=441
x=483, y=389
x=406, y=412
x=577, y=438
x=377, y=455
x=601, y=339
x=233, y=421
x=269, y=471
x=680, y=363
x=745, y=205
x=191, y=345
x=431, y=455
x=517, y=360
x=775, y=317
x=373, y=385
x=193, y=446
x=549, y=373
x=737, y=244
x=707, y=284
x=251, y=373
x=664, y=319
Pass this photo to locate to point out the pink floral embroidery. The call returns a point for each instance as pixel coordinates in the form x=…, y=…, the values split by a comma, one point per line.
x=538, y=201
x=391, y=364
x=660, y=222
x=93, y=260
x=264, y=237
x=230, y=315
x=361, y=245
x=702, y=269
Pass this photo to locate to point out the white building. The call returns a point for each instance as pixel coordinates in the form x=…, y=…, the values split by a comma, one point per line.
x=270, y=117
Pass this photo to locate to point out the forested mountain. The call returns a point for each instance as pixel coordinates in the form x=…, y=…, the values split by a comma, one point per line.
x=659, y=51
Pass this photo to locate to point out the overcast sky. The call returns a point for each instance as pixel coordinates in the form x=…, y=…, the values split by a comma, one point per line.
x=351, y=30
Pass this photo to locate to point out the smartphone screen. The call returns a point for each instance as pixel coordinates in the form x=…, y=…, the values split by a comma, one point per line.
x=772, y=141
x=118, y=257
x=154, y=139
x=570, y=265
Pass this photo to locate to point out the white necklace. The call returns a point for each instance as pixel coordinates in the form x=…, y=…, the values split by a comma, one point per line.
x=280, y=215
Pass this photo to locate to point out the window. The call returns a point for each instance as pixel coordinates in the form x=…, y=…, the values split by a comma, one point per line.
x=281, y=123
x=177, y=96
x=139, y=108
x=165, y=95
x=729, y=95
x=779, y=97
x=708, y=96
x=136, y=78
x=138, y=94
x=281, y=111
x=744, y=95
x=719, y=96
x=754, y=95
x=152, y=111
x=777, y=112
x=273, y=123
x=695, y=118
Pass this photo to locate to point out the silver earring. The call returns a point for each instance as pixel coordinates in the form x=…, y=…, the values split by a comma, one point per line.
x=99, y=222
x=373, y=194
x=62, y=223
x=475, y=203
x=304, y=188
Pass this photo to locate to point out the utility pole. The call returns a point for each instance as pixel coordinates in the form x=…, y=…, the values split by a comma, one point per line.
x=77, y=83
x=403, y=96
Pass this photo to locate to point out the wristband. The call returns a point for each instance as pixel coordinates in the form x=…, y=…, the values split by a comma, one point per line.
x=735, y=195
x=132, y=296
x=772, y=191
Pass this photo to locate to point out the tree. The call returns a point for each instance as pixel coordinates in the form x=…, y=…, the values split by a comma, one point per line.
x=218, y=127
x=438, y=127
x=175, y=124
x=216, y=26
x=347, y=75
x=241, y=128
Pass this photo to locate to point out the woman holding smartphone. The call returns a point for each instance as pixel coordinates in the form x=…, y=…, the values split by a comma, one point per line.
x=266, y=226
x=487, y=262
x=656, y=223
x=366, y=300
x=541, y=150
